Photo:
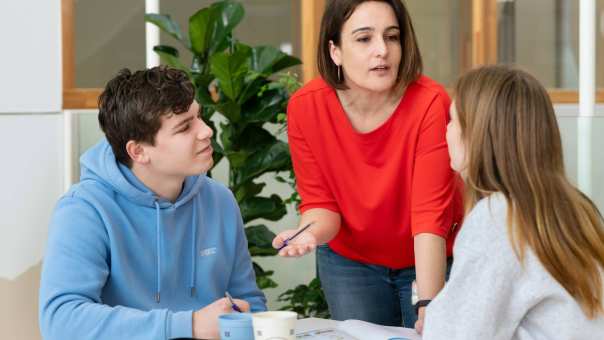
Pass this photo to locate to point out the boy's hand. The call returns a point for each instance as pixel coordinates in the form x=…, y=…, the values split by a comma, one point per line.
x=205, y=320
x=301, y=245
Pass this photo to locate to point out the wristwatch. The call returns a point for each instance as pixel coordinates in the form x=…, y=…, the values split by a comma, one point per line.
x=421, y=303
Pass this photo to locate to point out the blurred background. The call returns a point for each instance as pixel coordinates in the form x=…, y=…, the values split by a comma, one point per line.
x=58, y=54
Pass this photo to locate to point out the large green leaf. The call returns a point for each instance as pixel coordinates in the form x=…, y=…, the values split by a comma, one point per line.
x=241, y=145
x=167, y=50
x=202, y=83
x=248, y=190
x=270, y=208
x=203, y=97
x=237, y=158
x=265, y=108
x=308, y=301
x=211, y=27
x=273, y=158
x=284, y=62
x=166, y=24
x=268, y=60
x=169, y=55
x=202, y=80
x=230, y=109
x=253, y=86
x=263, y=278
x=202, y=26
x=230, y=69
x=230, y=15
x=254, y=138
x=243, y=48
x=260, y=240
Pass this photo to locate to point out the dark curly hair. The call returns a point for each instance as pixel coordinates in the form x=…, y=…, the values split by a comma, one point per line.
x=131, y=106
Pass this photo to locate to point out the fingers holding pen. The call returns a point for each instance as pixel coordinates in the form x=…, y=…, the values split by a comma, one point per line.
x=295, y=243
x=297, y=250
x=279, y=240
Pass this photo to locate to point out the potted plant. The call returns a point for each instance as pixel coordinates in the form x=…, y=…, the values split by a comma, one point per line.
x=244, y=86
x=241, y=84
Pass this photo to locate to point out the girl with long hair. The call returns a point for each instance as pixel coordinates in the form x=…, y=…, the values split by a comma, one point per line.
x=529, y=259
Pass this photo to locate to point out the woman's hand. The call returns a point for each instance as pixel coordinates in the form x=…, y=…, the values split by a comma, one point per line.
x=419, y=324
x=325, y=225
x=430, y=269
x=301, y=245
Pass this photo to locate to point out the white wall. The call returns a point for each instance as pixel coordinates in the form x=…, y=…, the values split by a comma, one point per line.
x=31, y=150
x=31, y=56
x=570, y=131
x=31, y=182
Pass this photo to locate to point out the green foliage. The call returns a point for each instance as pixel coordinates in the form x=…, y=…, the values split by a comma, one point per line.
x=307, y=301
x=246, y=87
x=243, y=85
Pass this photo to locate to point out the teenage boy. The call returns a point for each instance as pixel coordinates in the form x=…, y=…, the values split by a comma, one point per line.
x=146, y=246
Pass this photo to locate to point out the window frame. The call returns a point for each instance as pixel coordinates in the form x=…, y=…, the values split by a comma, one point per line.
x=482, y=50
x=73, y=98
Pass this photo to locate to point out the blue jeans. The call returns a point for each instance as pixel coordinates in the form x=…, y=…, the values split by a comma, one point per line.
x=366, y=292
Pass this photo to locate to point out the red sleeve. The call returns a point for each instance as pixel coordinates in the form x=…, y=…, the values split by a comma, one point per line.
x=433, y=186
x=310, y=182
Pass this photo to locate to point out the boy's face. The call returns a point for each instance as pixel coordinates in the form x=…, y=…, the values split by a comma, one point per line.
x=182, y=145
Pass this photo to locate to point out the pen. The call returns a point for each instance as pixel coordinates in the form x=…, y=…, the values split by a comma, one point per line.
x=294, y=236
x=233, y=305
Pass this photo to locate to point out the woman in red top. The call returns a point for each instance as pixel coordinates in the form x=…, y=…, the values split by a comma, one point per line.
x=368, y=146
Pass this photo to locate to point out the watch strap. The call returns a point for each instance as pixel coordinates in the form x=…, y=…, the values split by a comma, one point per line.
x=421, y=303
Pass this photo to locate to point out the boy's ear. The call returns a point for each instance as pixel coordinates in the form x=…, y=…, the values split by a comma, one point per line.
x=137, y=152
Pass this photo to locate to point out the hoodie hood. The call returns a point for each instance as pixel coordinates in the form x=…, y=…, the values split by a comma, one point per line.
x=114, y=248
x=99, y=164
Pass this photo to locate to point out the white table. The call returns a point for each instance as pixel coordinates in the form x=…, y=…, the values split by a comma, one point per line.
x=357, y=328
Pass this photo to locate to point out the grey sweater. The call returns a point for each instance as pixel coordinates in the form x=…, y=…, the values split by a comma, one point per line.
x=490, y=295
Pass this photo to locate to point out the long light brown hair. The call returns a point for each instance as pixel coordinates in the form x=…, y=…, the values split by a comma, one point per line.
x=513, y=146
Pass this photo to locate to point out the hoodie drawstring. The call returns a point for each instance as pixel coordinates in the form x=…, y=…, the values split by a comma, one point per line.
x=194, y=223
x=158, y=230
x=158, y=237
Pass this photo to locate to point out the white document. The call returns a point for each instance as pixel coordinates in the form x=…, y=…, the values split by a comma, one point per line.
x=320, y=329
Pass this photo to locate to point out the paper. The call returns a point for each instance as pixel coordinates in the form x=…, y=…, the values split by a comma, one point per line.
x=351, y=330
x=325, y=334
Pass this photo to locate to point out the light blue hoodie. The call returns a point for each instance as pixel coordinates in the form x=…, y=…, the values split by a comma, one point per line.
x=122, y=263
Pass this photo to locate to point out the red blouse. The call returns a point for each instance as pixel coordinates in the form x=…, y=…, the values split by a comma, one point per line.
x=389, y=184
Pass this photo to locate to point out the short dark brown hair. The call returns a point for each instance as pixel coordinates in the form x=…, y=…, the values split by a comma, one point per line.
x=131, y=106
x=335, y=15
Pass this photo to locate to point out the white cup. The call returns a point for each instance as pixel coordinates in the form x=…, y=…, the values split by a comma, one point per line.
x=278, y=325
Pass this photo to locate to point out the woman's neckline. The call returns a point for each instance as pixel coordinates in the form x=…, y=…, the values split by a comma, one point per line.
x=381, y=126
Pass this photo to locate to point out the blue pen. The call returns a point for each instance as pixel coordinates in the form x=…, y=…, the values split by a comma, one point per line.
x=233, y=305
x=294, y=235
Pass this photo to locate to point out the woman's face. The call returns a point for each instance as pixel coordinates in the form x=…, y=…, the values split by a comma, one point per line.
x=457, y=148
x=370, y=48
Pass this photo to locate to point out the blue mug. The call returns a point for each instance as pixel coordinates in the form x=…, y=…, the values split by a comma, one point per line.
x=236, y=326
